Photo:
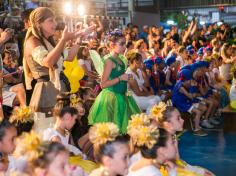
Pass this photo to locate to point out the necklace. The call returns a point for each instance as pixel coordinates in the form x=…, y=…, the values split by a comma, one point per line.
x=63, y=132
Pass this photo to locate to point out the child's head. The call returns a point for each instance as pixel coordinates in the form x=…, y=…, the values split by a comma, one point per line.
x=153, y=143
x=185, y=75
x=8, y=134
x=53, y=159
x=130, y=45
x=63, y=99
x=183, y=52
x=102, y=51
x=67, y=99
x=7, y=57
x=140, y=45
x=159, y=63
x=110, y=149
x=135, y=59
x=208, y=51
x=163, y=150
x=83, y=52
x=68, y=116
x=170, y=119
x=171, y=61
x=86, y=93
x=117, y=42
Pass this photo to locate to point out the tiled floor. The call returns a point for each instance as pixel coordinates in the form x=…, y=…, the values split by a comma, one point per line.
x=216, y=152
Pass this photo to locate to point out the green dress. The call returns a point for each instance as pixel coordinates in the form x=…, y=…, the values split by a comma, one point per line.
x=113, y=104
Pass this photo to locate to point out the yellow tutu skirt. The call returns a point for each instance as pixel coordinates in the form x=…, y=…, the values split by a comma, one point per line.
x=180, y=172
x=86, y=165
x=182, y=169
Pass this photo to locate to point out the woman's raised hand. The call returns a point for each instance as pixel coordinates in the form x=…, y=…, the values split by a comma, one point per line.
x=66, y=35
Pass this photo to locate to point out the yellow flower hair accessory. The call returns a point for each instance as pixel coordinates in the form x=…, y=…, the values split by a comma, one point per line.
x=157, y=111
x=141, y=131
x=144, y=135
x=101, y=133
x=28, y=145
x=74, y=100
x=138, y=120
x=22, y=115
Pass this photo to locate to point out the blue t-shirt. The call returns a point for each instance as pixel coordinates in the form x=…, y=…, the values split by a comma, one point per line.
x=180, y=101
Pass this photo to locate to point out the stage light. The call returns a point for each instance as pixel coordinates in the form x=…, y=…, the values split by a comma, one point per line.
x=202, y=22
x=68, y=8
x=170, y=22
x=219, y=23
x=81, y=10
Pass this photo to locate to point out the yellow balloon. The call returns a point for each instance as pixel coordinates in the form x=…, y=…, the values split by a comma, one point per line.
x=77, y=73
x=69, y=66
x=233, y=104
x=74, y=72
x=74, y=86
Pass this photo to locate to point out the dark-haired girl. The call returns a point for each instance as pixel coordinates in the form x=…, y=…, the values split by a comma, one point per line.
x=113, y=104
x=86, y=63
x=156, y=150
x=170, y=120
x=8, y=134
x=110, y=150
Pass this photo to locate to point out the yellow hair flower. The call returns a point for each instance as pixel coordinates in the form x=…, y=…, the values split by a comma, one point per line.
x=144, y=136
x=22, y=115
x=157, y=111
x=74, y=100
x=101, y=133
x=138, y=120
x=28, y=145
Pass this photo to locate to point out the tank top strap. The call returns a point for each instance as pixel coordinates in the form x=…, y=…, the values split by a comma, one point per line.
x=113, y=60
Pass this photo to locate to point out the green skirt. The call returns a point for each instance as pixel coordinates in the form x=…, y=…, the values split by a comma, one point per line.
x=110, y=106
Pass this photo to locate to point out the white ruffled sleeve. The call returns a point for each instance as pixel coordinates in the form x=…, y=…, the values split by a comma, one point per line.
x=39, y=53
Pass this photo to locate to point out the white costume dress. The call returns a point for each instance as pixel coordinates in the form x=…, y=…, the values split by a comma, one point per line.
x=144, y=102
x=148, y=170
x=51, y=132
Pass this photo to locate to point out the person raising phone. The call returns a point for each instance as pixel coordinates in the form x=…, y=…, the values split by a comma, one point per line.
x=43, y=58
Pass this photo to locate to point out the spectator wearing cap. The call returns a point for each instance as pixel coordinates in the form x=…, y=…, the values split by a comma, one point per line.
x=200, y=54
x=208, y=52
x=171, y=72
x=206, y=92
x=183, y=100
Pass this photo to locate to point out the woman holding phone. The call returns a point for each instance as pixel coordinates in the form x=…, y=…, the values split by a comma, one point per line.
x=43, y=59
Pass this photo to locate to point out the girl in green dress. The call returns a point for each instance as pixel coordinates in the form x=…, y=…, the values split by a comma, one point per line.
x=114, y=104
